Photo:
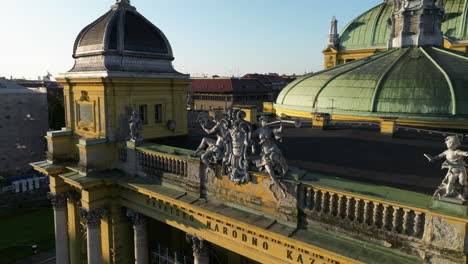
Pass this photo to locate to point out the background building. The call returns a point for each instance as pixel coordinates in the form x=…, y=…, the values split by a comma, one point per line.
x=23, y=125
x=54, y=99
x=222, y=93
x=273, y=80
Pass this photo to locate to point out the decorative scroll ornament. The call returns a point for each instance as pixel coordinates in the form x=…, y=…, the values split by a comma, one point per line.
x=236, y=144
x=93, y=217
x=454, y=184
x=84, y=97
x=58, y=200
x=135, y=125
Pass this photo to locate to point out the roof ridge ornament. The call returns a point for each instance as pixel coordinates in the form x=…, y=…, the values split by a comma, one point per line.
x=123, y=4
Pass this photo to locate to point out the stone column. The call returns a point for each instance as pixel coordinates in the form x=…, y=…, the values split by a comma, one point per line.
x=140, y=237
x=201, y=254
x=59, y=203
x=93, y=230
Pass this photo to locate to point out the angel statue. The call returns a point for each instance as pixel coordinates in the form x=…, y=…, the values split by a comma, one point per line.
x=271, y=159
x=214, y=149
x=135, y=126
x=454, y=183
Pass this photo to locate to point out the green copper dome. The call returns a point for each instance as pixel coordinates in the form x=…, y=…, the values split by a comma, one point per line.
x=371, y=29
x=419, y=82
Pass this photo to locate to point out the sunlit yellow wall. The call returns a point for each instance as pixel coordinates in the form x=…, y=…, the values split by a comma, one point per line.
x=111, y=99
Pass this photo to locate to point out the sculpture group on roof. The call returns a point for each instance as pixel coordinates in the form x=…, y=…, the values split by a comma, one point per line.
x=238, y=146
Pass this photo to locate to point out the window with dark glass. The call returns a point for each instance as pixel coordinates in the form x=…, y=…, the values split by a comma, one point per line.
x=143, y=110
x=158, y=113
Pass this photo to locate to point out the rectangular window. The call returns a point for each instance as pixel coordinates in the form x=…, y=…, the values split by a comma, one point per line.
x=158, y=113
x=143, y=110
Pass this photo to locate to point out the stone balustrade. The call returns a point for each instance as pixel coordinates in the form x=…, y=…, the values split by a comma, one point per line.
x=162, y=163
x=376, y=214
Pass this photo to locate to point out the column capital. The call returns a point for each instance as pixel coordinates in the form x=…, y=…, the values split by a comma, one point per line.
x=58, y=200
x=93, y=217
x=136, y=218
x=199, y=245
x=74, y=196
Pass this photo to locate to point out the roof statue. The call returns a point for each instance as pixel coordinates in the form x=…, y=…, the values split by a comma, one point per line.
x=236, y=146
x=454, y=185
x=135, y=125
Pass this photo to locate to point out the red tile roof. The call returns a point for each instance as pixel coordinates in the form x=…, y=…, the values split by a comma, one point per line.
x=227, y=85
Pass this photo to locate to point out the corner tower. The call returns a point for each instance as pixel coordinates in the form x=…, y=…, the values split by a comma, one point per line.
x=122, y=63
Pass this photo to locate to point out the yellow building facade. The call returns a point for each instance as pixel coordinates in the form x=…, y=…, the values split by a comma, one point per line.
x=120, y=199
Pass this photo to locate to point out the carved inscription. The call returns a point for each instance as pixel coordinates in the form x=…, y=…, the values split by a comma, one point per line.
x=284, y=249
x=290, y=252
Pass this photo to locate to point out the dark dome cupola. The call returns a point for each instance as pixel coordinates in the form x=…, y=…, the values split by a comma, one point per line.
x=122, y=40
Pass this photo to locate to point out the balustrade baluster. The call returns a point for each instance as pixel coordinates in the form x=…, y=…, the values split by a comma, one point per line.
x=178, y=167
x=385, y=216
x=316, y=200
x=160, y=163
x=323, y=208
x=349, y=208
x=357, y=209
x=396, y=215
x=308, y=198
x=366, y=211
x=417, y=223
x=406, y=224
x=375, y=216
x=332, y=201
x=339, y=211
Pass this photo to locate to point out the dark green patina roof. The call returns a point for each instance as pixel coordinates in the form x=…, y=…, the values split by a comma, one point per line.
x=399, y=82
x=371, y=29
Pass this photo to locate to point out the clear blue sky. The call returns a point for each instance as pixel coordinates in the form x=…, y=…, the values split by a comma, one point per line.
x=224, y=37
